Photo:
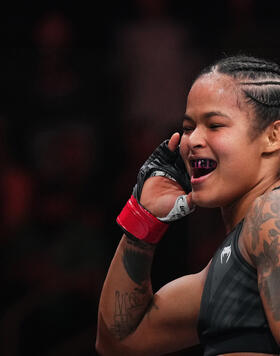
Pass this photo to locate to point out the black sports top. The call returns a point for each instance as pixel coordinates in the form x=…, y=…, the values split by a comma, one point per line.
x=232, y=317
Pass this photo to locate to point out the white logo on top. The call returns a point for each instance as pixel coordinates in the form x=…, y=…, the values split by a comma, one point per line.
x=225, y=254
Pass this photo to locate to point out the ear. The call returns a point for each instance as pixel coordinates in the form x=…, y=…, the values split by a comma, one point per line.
x=272, y=137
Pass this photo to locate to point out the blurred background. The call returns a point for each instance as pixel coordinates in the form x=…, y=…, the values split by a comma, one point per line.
x=87, y=92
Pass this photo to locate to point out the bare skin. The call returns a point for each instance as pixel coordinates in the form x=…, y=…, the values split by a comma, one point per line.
x=135, y=312
x=133, y=320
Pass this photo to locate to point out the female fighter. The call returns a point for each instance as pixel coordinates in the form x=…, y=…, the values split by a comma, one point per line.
x=230, y=148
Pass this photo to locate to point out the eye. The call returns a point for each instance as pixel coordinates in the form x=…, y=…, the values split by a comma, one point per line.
x=187, y=129
x=215, y=126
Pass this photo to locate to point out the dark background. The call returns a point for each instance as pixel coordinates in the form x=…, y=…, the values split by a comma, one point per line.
x=88, y=90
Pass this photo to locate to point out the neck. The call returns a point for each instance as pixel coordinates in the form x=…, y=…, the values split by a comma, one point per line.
x=232, y=214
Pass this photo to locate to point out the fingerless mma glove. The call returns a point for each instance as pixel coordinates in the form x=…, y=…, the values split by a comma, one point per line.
x=134, y=219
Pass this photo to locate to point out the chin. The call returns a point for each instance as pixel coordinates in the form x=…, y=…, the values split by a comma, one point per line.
x=205, y=202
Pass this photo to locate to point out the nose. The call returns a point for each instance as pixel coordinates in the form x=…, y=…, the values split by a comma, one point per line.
x=196, y=139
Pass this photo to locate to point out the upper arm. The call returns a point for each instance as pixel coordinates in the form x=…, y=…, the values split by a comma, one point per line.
x=170, y=322
x=263, y=246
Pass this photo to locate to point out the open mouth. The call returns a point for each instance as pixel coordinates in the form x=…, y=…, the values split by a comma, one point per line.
x=201, y=167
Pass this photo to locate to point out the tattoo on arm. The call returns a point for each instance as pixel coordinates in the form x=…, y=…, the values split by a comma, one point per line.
x=125, y=306
x=267, y=258
x=255, y=220
x=133, y=241
x=269, y=280
x=137, y=265
x=131, y=306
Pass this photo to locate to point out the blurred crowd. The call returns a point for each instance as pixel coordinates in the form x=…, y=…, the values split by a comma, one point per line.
x=86, y=97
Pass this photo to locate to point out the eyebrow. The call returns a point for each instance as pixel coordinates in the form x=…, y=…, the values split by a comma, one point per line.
x=207, y=115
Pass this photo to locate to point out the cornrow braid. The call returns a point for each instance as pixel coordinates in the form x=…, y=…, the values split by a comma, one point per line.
x=260, y=83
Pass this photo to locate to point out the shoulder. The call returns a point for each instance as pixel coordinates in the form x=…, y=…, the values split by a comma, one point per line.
x=261, y=230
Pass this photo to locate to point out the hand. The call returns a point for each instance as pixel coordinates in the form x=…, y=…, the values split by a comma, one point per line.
x=159, y=194
x=162, y=187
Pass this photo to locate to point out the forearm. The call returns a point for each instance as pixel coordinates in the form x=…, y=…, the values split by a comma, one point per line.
x=126, y=321
x=127, y=291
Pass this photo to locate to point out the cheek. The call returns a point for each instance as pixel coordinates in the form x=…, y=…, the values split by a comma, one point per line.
x=226, y=148
x=184, y=147
x=238, y=162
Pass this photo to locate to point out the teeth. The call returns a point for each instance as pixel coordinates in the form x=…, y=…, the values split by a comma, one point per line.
x=203, y=163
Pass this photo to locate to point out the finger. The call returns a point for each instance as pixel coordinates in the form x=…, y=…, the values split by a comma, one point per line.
x=174, y=141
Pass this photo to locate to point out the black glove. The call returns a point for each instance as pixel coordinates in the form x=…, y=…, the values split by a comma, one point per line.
x=134, y=219
x=166, y=161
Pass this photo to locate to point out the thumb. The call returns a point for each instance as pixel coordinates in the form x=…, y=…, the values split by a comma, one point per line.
x=174, y=141
x=183, y=206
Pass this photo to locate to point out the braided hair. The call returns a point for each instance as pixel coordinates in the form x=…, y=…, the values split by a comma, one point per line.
x=259, y=80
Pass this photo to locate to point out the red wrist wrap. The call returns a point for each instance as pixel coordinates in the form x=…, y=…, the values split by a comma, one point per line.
x=138, y=222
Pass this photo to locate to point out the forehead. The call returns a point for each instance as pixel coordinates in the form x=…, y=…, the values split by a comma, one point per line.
x=214, y=92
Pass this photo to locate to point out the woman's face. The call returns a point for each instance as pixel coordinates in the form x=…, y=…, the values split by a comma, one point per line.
x=223, y=161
